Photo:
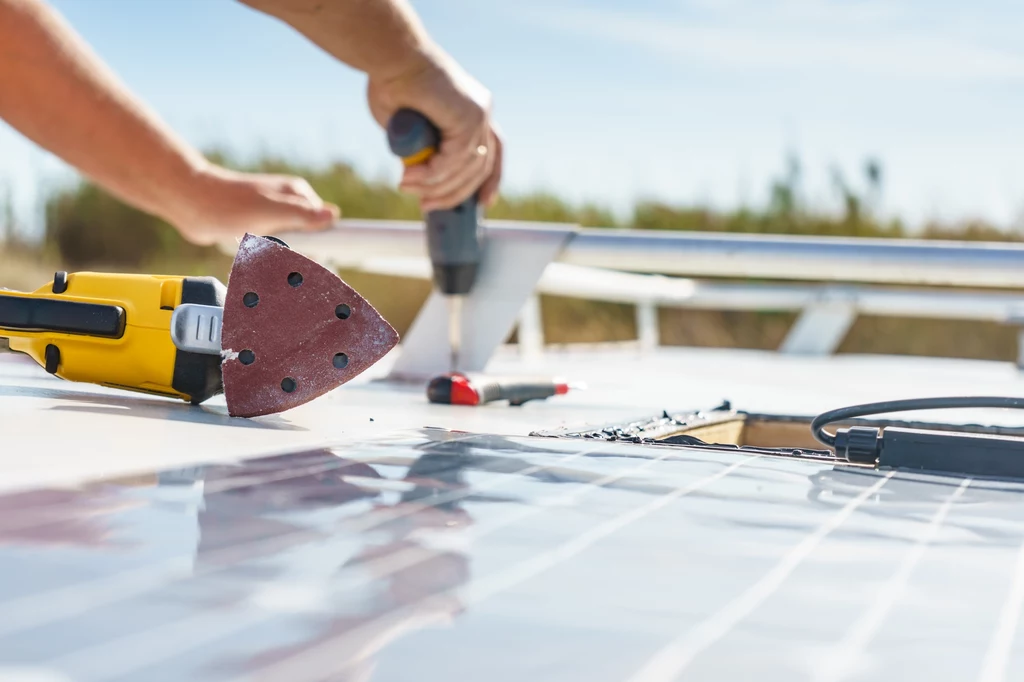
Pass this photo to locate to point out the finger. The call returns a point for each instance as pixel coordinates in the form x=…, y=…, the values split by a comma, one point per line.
x=460, y=186
x=459, y=191
x=197, y=237
x=413, y=181
x=451, y=159
x=415, y=176
x=296, y=213
x=299, y=187
x=489, y=190
x=491, y=157
x=419, y=179
x=332, y=211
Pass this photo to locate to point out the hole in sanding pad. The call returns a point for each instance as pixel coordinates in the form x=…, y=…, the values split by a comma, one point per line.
x=288, y=384
x=250, y=299
x=276, y=240
x=295, y=279
x=340, y=361
x=247, y=357
x=343, y=311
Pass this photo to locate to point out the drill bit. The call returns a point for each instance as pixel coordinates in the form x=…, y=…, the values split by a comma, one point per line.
x=455, y=329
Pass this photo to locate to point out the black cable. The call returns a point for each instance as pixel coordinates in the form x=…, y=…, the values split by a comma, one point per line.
x=825, y=418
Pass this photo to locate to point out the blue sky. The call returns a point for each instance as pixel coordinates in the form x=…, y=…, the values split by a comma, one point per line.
x=683, y=100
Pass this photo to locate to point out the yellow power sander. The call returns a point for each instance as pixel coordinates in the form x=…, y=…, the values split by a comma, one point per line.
x=285, y=330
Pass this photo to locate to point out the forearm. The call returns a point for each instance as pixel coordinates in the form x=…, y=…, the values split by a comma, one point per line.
x=382, y=38
x=57, y=92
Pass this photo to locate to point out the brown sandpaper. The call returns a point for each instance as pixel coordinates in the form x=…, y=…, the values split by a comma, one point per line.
x=292, y=330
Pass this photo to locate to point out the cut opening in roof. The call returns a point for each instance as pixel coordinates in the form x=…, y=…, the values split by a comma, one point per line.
x=725, y=428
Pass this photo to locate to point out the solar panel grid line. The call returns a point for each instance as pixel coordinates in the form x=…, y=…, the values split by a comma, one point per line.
x=37, y=609
x=485, y=588
x=674, y=658
x=321, y=661
x=98, y=657
x=842, y=659
x=997, y=656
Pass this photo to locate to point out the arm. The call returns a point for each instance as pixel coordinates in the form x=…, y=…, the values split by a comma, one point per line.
x=382, y=38
x=57, y=92
x=385, y=40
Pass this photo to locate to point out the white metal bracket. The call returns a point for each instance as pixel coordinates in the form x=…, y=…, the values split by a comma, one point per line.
x=822, y=325
x=513, y=261
x=1015, y=318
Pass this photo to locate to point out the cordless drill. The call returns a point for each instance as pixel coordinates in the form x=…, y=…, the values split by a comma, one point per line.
x=453, y=235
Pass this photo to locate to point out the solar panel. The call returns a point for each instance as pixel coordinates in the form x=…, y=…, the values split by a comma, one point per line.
x=435, y=555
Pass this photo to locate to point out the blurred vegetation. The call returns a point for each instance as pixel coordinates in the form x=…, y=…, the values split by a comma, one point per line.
x=87, y=228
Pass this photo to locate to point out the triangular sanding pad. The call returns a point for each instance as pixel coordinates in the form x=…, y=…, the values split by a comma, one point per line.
x=293, y=330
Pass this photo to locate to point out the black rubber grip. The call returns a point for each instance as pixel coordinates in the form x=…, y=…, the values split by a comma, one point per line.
x=66, y=317
x=516, y=391
x=479, y=389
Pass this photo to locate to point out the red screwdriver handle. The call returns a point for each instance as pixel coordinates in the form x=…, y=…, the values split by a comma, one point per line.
x=463, y=389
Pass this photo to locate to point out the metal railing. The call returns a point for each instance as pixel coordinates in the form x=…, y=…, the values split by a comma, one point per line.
x=839, y=277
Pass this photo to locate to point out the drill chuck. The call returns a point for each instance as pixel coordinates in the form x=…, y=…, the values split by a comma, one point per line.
x=454, y=247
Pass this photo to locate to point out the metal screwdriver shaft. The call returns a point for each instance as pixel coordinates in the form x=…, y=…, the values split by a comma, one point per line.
x=455, y=330
x=453, y=235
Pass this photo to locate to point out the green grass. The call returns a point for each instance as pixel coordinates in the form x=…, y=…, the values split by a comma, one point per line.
x=24, y=269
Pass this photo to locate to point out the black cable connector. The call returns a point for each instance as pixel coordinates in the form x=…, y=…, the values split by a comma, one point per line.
x=865, y=445
x=860, y=444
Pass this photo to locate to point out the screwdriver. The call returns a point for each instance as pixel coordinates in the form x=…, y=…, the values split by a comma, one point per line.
x=478, y=389
x=453, y=235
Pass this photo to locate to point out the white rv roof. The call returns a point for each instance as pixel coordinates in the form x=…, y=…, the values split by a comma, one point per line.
x=143, y=539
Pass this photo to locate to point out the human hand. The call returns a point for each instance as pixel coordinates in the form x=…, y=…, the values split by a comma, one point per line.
x=470, y=154
x=224, y=204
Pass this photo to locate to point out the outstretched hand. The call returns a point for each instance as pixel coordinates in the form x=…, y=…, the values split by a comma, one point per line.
x=228, y=203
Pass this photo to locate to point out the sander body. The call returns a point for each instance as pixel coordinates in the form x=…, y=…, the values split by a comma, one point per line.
x=285, y=330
